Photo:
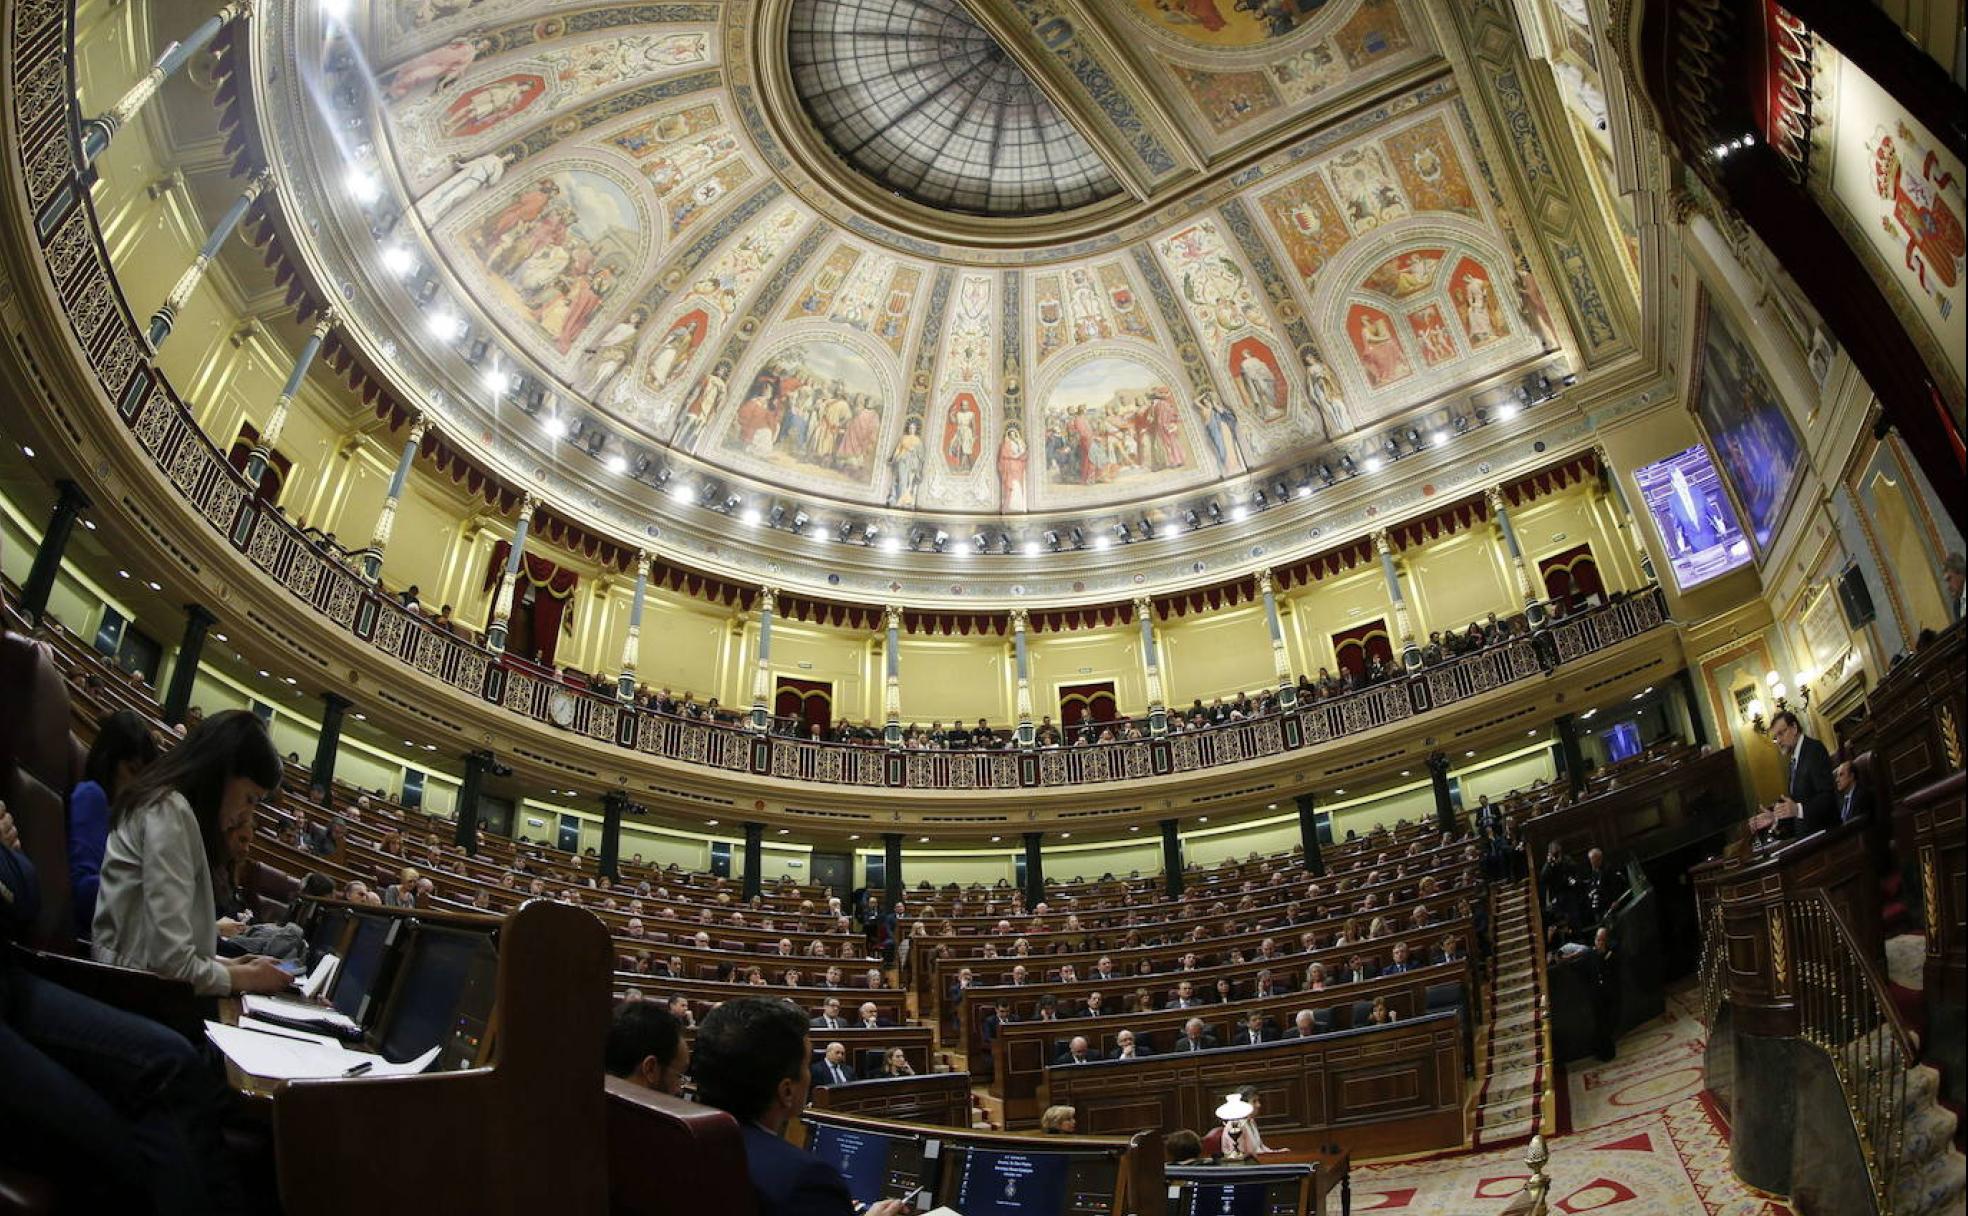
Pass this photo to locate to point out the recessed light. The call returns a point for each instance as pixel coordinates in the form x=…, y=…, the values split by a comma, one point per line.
x=1239, y=513
x=27, y=451
x=1405, y=772
x=1134, y=827
x=1338, y=792
x=361, y=717
x=854, y=835
x=1506, y=411
x=922, y=840
x=1271, y=806
x=618, y=463
x=154, y=586
x=996, y=839
x=1469, y=753
x=1203, y=819
x=364, y=186
x=711, y=822
x=90, y=524
x=1438, y=438
x=265, y=674
x=785, y=831
x=891, y=544
x=554, y=425
x=1065, y=835
x=290, y=679
x=1371, y=464
x=750, y=518
x=398, y=260
x=1532, y=733
x=1101, y=542
x=122, y=574
x=219, y=637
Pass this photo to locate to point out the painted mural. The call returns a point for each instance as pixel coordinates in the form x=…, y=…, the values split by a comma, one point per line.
x=1110, y=420
x=555, y=250
x=1085, y=304
x=1754, y=439
x=815, y=408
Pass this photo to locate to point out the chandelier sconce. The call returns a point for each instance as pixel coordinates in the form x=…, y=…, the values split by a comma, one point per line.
x=1757, y=715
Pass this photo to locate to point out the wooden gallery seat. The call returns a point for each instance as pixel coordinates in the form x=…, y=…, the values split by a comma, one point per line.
x=669, y=1157
x=475, y=1137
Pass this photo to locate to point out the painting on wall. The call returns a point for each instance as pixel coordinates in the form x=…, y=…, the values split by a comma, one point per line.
x=1230, y=23
x=816, y=407
x=1112, y=419
x=1379, y=349
x=556, y=248
x=1753, y=436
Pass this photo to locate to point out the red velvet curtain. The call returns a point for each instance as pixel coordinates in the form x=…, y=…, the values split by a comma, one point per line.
x=1080, y=702
x=1571, y=576
x=811, y=701
x=549, y=588
x=1356, y=647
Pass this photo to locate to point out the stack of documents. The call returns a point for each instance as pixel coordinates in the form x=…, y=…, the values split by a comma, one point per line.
x=279, y=1054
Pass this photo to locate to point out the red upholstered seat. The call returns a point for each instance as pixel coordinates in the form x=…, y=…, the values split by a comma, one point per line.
x=669, y=1157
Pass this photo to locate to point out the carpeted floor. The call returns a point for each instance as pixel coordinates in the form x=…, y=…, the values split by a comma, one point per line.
x=1642, y=1140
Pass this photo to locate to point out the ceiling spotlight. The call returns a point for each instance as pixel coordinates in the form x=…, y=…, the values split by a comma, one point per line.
x=1325, y=472
x=398, y=260
x=446, y=325
x=1506, y=410
x=981, y=541
x=1034, y=548
x=818, y=531
x=891, y=544
x=1004, y=543
x=1461, y=424
x=730, y=503
x=846, y=531
x=554, y=425
x=364, y=186
x=942, y=539
x=1077, y=537
x=750, y=517
x=799, y=519
x=640, y=466
x=1214, y=511
x=1414, y=439
x=497, y=381
x=1122, y=534
x=1146, y=527
x=1347, y=466
x=618, y=463
x=1372, y=464
x=1192, y=519
x=778, y=517
x=1051, y=541
x=1239, y=513
x=1305, y=489
x=869, y=532
x=1437, y=438
x=1393, y=448
x=1101, y=541
x=680, y=494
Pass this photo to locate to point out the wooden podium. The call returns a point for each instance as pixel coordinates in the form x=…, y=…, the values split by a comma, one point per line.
x=1752, y=885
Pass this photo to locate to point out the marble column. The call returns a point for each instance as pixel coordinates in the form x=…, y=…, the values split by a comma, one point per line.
x=1022, y=665
x=495, y=633
x=97, y=132
x=256, y=464
x=372, y=557
x=184, y=668
x=754, y=860
x=892, y=677
x=891, y=871
x=328, y=743
x=1280, y=660
x=613, y=804
x=1410, y=653
x=1151, y=667
x=1533, y=602
x=1623, y=509
x=1034, y=869
x=466, y=834
x=70, y=502
x=1308, y=834
x=632, y=643
x=166, y=316
x=1172, y=858
x=768, y=599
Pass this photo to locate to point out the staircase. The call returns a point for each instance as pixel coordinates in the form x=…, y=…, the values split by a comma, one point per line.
x=1931, y=1176
x=1510, y=1099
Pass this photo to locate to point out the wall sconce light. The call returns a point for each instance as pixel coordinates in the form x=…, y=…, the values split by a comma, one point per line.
x=1757, y=713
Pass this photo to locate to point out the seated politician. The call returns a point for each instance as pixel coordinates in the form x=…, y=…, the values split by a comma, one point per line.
x=751, y=1062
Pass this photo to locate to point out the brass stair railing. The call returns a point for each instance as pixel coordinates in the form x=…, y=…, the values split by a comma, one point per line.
x=1844, y=1010
x=1709, y=987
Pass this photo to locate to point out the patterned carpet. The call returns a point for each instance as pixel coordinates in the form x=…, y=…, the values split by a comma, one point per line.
x=1642, y=1140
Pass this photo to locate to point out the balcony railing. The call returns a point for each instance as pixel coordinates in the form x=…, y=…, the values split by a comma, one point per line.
x=83, y=282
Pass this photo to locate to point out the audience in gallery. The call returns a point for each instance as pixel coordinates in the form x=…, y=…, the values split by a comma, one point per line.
x=174, y=831
x=123, y=746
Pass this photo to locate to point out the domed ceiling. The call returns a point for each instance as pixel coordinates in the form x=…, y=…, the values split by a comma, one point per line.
x=963, y=260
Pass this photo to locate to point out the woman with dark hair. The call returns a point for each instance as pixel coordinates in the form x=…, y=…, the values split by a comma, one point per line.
x=122, y=748
x=173, y=833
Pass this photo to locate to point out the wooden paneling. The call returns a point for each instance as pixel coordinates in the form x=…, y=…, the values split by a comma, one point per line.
x=942, y=1099
x=1936, y=813
x=1378, y=1090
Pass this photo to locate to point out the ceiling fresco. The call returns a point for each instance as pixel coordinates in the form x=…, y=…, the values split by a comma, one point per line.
x=1039, y=262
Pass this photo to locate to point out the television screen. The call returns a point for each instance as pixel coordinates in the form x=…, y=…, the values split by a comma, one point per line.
x=876, y=1166
x=1691, y=511
x=994, y=1183
x=1622, y=740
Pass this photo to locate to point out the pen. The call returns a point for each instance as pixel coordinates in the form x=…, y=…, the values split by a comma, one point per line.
x=358, y=1069
x=276, y=1034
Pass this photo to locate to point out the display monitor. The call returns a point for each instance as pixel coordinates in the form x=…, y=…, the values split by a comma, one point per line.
x=1234, y=1191
x=1692, y=513
x=1017, y=1182
x=877, y=1165
x=443, y=995
x=362, y=964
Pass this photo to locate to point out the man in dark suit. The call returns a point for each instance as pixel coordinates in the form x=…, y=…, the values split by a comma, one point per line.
x=1195, y=1037
x=1400, y=963
x=833, y=1068
x=1077, y=1052
x=1185, y=996
x=871, y=1017
x=1358, y=970
x=1269, y=985
x=1600, y=886
x=751, y=1062
x=830, y=1016
x=1126, y=1047
x=1854, y=799
x=1809, y=804
x=1251, y=1033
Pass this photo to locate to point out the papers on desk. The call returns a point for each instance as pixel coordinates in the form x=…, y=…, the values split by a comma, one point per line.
x=284, y=1009
x=317, y=980
x=280, y=1054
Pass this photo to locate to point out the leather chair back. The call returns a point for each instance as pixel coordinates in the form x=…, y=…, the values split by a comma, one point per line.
x=669, y=1157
